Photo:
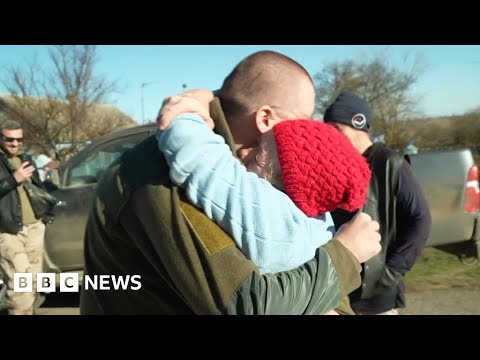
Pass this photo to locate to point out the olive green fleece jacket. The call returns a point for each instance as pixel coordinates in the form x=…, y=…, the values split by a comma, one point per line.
x=142, y=224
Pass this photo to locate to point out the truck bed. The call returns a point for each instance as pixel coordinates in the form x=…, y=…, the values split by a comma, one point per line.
x=443, y=177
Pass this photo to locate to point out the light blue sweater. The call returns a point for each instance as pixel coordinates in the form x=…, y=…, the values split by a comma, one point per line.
x=263, y=221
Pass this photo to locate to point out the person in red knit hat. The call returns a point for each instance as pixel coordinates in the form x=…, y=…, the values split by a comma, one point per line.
x=310, y=161
x=317, y=167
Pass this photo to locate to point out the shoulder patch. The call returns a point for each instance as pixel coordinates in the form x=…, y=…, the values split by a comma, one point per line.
x=210, y=234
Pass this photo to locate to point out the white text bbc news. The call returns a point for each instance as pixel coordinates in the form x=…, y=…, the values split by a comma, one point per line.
x=69, y=282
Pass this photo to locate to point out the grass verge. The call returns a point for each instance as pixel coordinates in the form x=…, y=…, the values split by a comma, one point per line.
x=436, y=269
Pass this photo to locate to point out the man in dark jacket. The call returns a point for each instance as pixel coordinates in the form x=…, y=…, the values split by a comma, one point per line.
x=21, y=227
x=394, y=199
x=142, y=224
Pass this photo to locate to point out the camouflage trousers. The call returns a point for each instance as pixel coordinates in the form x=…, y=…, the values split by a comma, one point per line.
x=22, y=252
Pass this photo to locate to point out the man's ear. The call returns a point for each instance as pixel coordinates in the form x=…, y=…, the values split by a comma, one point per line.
x=265, y=119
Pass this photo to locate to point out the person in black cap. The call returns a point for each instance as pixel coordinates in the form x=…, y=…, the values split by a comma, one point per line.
x=394, y=199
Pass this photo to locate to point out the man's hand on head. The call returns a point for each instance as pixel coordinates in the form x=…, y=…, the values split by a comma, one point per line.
x=195, y=101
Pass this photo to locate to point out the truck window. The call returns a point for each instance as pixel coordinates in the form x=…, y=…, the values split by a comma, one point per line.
x=90, y=170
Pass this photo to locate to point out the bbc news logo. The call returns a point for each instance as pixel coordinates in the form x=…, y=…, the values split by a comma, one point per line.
x=69, y=282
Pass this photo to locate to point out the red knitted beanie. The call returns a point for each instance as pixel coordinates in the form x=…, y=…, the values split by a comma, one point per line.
x=320, y=168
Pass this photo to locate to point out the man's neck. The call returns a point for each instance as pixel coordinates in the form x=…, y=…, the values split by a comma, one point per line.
x=362, y=143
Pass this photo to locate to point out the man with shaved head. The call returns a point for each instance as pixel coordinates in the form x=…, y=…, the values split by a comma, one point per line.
x=263, y=89
x=142, y=224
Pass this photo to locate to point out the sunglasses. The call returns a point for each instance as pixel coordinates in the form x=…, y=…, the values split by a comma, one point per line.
x=12, y=139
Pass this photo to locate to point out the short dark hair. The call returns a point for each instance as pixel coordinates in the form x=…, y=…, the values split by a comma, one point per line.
x=6, y=122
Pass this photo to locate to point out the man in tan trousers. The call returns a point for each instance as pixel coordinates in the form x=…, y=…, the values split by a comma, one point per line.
x=22, y=230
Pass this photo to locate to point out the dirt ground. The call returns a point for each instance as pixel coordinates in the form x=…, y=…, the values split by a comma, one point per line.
x=454, y=301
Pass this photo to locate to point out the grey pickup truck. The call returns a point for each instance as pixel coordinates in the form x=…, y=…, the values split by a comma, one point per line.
x=449, y=180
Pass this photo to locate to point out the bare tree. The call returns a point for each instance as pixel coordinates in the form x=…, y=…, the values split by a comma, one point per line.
x=385, y=87
x=106, y=118
x=53, y=101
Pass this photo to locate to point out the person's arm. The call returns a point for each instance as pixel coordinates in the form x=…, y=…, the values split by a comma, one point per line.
x=313, y=288
x=7, y=184
x=263, y=221
x=413, y=228
x=53, y=164
x=8, y=181
x=286, y=292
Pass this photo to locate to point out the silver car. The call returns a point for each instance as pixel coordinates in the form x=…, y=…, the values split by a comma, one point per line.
x=74, y=187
